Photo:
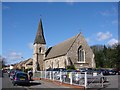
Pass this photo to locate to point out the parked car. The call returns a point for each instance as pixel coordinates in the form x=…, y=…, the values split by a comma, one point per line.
x=56, y=69
x=12, y=73
x=4, y=70
x=90, y=78
x=20, y=78
x=112, y=72
x=83, y=70
x=88, y=70
x=8, y=71
x=118, y=72
x=103, y=71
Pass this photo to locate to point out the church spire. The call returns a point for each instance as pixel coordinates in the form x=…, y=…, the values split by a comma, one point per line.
x=39, y=39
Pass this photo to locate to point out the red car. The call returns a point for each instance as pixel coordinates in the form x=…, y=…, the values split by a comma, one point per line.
x=117, y=71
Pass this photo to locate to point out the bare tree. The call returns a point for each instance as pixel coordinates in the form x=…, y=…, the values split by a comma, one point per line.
x=2, y=61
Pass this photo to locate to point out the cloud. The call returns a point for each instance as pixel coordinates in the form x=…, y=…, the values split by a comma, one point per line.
x=51, y=0
x=103, y=36
x=30, y=45
x=2, y=58
x=115, y=22
x=111, y=12
x=66, y=1
x=112, y=41
x=105, y=13
x=14, y=55
x=70, y=1
x=4, y=7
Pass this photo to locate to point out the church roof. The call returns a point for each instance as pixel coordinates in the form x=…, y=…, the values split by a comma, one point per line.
x=39, y=39
x=60, y=49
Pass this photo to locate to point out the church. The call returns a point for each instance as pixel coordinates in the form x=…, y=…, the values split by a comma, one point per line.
x=72, y=52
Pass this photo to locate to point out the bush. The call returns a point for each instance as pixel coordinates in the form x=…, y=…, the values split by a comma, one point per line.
x=26, y=70
x=71, y=67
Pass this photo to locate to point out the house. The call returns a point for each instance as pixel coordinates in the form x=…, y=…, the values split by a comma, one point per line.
x=26, y=64
x=18, y=65
x=29, y=64
x=72, y=52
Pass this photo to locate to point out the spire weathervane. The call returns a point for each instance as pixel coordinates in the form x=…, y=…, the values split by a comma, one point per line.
x=40, y=16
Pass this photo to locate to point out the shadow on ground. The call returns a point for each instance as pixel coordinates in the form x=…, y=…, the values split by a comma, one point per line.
x=32, y=83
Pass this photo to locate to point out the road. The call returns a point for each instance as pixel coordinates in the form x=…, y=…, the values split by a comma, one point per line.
x=0, y=79
x=113, y=81
x=7, y=83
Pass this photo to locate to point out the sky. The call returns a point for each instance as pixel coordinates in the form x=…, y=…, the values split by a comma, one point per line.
x=98, y=22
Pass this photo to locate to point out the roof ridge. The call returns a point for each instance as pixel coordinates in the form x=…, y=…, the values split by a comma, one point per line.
x=66, y=40
x=74, y=41
x=61, y=48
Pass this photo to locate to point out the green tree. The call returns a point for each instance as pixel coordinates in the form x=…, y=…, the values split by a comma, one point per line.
x=107, y=57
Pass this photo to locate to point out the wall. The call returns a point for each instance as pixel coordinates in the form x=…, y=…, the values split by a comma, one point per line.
x=73, y=53
x=58, y=62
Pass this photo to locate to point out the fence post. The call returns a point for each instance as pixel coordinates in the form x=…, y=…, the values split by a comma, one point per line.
x=45, y=74
x=40, y=74
x=50, y=75
x=102, y=82
x=85, y=79
x=60, y=76
x=70, y=77
x=53, y=74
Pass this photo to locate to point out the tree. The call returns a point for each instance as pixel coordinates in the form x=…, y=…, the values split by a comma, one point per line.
x=2, y=62
x=99, y=56
x=117, y=55
x=107, y=57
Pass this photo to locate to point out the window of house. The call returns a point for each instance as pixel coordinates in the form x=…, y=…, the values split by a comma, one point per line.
x=81, y=55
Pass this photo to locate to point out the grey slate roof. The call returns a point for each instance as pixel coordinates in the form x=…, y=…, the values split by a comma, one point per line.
x=39, y=39
x=60, y=49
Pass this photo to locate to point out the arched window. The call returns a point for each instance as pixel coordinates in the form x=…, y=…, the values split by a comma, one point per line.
x=40, y=50
x=52, y=65
x=81, y=55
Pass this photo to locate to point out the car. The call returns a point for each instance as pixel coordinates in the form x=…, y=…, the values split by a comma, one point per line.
x=88, y=70
x=83, y=70
x=90, y=78
x=119, y=72
x=116, y=70
x=49, y=69
x=20, y=78
x=12, y=74
x=8, y=71
x=4, y=70
x=59, y=69
x=112, y=72
x=103, y=71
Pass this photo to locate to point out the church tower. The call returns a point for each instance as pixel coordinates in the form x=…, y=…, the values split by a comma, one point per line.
x=39, y=49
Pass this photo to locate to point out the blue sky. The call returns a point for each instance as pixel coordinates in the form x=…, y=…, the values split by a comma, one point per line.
x=97, y=21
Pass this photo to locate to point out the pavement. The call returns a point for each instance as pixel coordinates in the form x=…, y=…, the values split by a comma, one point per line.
x=58, y=84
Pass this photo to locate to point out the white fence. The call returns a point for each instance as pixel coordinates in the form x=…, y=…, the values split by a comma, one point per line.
x=74, y=78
